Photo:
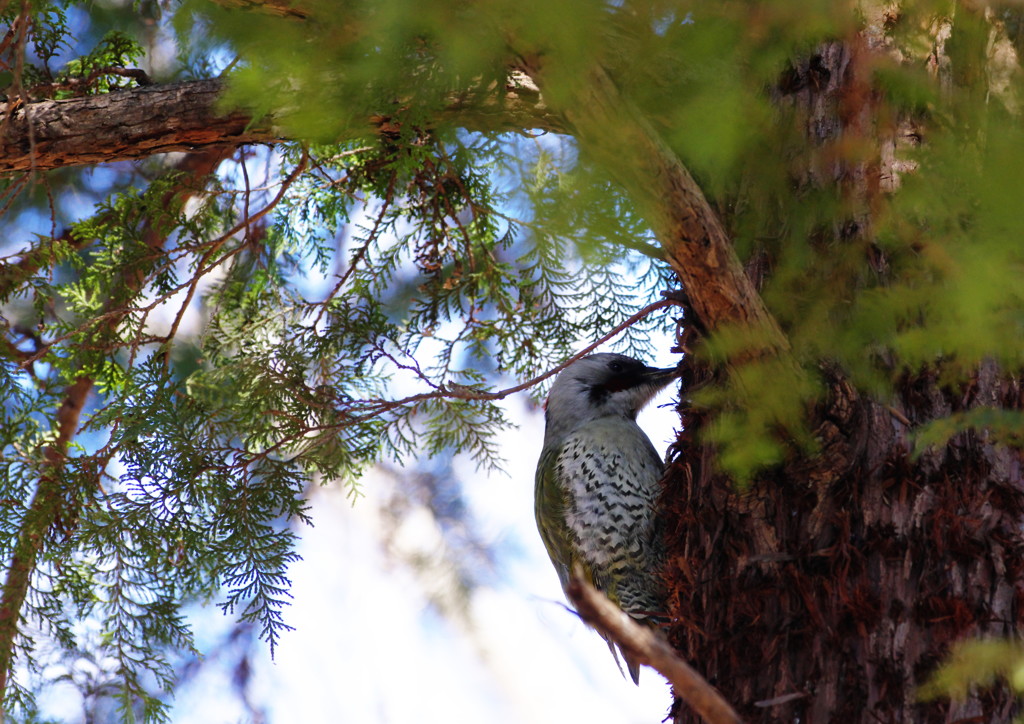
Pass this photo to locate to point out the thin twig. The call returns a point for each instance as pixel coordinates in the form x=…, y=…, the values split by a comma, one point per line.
x=16, y=268
x=371, y=409
x=462, y=392
x=116, y=314
x=18, y=86
x=13, y=191
x=360, y=253
x=467, y=393
x=49, y=89
x=898, y=415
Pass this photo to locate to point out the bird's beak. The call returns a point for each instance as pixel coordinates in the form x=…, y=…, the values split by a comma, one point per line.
x=652, y=380
x=662, y=375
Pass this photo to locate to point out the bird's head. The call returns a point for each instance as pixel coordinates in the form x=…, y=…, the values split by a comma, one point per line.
x=601, y=385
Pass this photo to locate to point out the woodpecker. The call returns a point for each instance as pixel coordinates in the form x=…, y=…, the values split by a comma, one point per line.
x=597, y=483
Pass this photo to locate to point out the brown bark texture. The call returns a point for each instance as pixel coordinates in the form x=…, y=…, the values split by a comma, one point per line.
x=831, y=588
x=141, y=122
x=123, y=125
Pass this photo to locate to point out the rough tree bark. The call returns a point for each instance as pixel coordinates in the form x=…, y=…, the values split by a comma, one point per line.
x=141, y=122
x=120, y=126
x=831, y=588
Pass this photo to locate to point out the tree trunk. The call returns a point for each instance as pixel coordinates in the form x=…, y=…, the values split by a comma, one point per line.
x=831, y=588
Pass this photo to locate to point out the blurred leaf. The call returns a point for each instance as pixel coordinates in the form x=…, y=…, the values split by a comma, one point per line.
x=1005, y=427
x=978, y=664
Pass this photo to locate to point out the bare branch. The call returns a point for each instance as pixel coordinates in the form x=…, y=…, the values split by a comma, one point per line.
x=140, y=122
x=362, y=410
x=123, y=125
x=467, y=393
x=648, y=647
x=48, y=90
x=283, y=8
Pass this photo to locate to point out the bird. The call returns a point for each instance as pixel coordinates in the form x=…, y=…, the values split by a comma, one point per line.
x=597, y=483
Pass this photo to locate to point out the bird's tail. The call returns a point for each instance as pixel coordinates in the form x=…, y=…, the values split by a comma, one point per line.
x=632, y=665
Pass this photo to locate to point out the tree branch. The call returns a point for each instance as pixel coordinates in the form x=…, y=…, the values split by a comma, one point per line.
x=44, y=511
x=468, y=393
x=14, y=273
x=141, y=122
x=123, y=125
x=614, y=134
x=647, y=647
x=283, y=8
x=156, y=119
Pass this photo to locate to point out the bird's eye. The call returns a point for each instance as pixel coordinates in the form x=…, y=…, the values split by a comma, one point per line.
x=615, y=366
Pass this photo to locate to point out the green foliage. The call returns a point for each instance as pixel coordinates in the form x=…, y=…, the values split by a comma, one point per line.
x=47, y=33
x=977, y=665
x=927, y=277
x=27, y=60
x=1004, y=426
x=115, y=50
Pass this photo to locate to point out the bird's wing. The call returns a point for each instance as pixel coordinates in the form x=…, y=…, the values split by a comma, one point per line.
x=550, y=504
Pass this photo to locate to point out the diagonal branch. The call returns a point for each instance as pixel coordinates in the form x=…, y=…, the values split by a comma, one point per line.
x=43, y=513
x=15, y=272
x=282, y=8
x=649, y=648
x=614, y=133
x=52, y=504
